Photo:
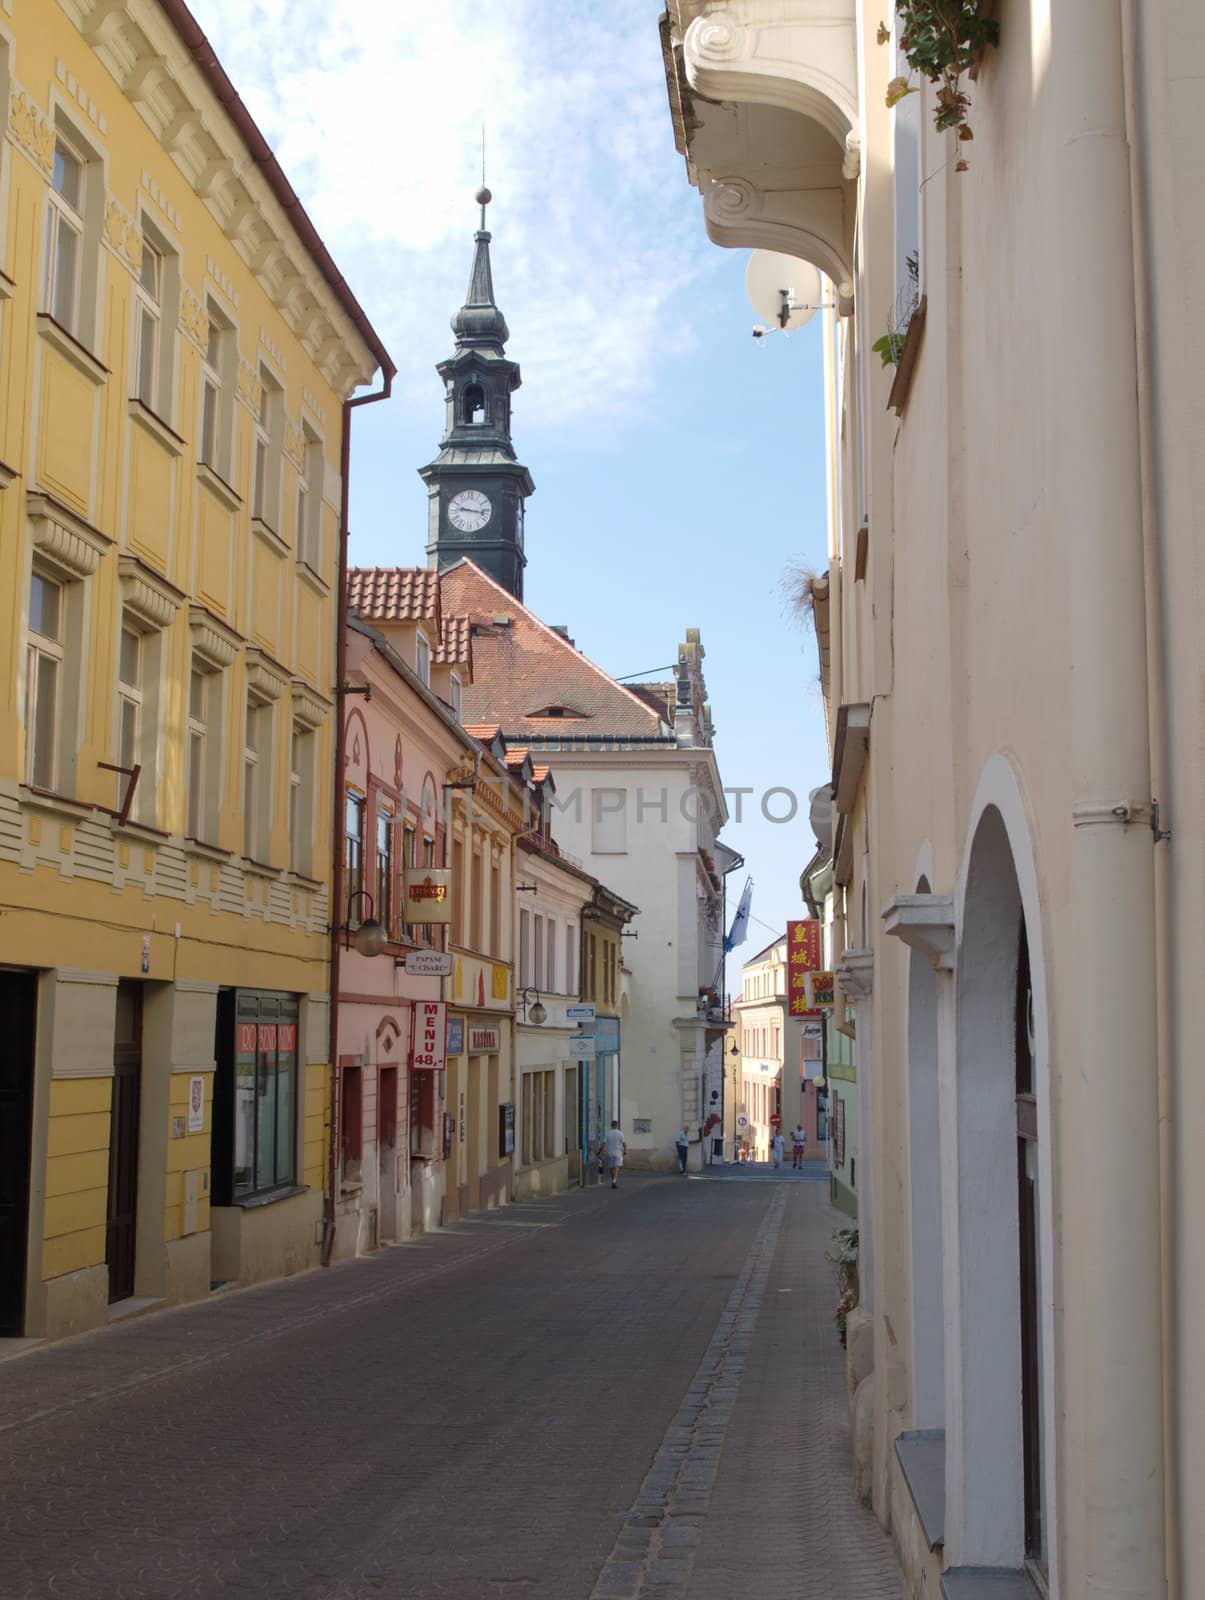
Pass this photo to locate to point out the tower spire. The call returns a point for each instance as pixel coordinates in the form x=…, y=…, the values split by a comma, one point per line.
x=479, y=322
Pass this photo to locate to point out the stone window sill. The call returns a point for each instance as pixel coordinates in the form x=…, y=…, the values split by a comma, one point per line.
x=269, y=535
x=69, y=347
x=210, y=852
x=218, y=486
x=987, y=1583
x=252, y=1202
x=922, y=1459
x=62, y=805
x=150, y=422
x=7, y=475
x=313, y=580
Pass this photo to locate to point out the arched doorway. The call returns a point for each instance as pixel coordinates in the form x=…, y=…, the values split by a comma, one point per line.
x=924, y=1185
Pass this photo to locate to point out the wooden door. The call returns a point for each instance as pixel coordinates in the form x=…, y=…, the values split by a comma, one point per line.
x=387, y=1152
x=18, y=997
x=123, y=1141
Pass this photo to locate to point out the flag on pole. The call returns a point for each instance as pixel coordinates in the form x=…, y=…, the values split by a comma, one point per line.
x=740, y=923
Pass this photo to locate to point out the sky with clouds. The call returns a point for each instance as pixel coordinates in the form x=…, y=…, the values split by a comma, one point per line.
x=678, y=464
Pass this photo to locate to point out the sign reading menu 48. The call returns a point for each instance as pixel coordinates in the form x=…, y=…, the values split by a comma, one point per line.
x=430, y=1034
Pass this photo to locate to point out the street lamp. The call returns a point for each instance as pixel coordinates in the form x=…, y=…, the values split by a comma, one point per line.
x=369, y=937
x=533, y=1010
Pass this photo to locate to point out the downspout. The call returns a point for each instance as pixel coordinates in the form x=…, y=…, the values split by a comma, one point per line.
x=338, y=909
x=1156, y=647
x=1115, y=1543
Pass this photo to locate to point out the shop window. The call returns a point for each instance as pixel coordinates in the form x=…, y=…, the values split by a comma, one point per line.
x=255, y=1095
x=422, y=1115
x=528, y=1118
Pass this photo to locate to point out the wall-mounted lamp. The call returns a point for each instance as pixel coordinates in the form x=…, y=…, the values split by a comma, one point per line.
x=369, y=938
x=733, y=1049
x=533, y=1010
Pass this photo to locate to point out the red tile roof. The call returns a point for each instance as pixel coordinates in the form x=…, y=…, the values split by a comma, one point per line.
x=394, y=594
x=522, y=666
x=456, y=647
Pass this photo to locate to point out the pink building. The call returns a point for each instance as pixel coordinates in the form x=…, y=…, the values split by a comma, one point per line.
x=403, y=737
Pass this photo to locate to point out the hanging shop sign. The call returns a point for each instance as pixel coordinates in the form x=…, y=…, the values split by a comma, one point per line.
x=803, y=956
x=430, y=1035
x=483, y=1041
x=582, y=1047
x=606, y=1036
x=428, y=963
x=427, y=894
x=455, y=1036
x=584, y=1013
x=821, y=990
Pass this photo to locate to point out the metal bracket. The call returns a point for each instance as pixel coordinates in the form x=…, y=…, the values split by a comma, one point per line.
x=133, y=773
x=1161, y=834
x=356, y=688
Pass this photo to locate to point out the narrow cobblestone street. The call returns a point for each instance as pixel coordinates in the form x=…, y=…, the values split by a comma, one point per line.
x=601, y=1395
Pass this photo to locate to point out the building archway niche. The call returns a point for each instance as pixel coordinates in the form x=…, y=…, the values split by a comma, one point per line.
x=999, y=1457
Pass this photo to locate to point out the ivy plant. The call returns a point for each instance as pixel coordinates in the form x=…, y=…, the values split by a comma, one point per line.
x=941, y=40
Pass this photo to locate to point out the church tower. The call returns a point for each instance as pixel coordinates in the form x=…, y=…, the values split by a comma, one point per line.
x=476, y=487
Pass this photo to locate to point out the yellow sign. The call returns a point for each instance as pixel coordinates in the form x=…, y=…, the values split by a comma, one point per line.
x=427, y=895
x=821, y=989
x=500, y=985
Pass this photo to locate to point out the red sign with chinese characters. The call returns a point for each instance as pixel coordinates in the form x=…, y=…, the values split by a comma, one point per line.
x=430, y=1035
x=804, y=955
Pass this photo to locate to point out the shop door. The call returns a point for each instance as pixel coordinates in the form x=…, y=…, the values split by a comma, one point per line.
x=18, y=995
x=473, y=1118
x=387, y=1151
x=123, y=1142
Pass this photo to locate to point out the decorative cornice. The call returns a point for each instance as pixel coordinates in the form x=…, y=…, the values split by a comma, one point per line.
x=925, y=922
x=266, y=677
x=309, y=707
x=211, y=638
x=151, y=598
x=855, y=973
x=63, y=538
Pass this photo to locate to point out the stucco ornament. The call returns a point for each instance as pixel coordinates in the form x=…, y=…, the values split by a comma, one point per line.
x=250, y=389
x=123, y=235
x=31, y=129
x=716, y=39
x=193, y=317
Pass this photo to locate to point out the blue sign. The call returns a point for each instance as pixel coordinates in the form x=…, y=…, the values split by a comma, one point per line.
x=455, y=1036
x=606, y=1036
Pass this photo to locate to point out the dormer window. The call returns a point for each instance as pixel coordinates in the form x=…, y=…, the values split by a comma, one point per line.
x=473, y=404
x=422, y=660
x=557, y=711
x=454, y=693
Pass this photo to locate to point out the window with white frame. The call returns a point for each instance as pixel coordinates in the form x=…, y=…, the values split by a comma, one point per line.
x=353, y=855
x=130, y=719
x=550, y=943
x=309, y=502
x=257, y=779
x=204, y=748
x=65, y=235
x=571, y=985
x=383, y=898
x=525, y=949
x=217, y=397
x=301, y=799
x=269, y=437
x=422, y=659
x=44, y=673
x=454, y=690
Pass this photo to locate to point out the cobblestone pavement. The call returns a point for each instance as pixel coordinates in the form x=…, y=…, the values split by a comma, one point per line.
x=597, y=1394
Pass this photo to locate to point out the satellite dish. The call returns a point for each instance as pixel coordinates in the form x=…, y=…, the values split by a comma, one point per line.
x=783, y=290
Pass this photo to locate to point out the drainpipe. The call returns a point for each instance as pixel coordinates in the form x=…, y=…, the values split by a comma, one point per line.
x=1112, y=1485
x=338, y=909
x=1160, y=778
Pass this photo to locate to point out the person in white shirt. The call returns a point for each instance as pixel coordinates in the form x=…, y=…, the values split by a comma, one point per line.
x=798, y=1145
x=776, y=1147
x=616, y=1147
x=682, y=1143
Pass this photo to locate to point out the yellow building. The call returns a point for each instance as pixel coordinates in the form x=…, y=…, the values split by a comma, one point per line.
x=176, y=348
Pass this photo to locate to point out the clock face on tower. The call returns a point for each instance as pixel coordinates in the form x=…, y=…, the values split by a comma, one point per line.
x=469, y=511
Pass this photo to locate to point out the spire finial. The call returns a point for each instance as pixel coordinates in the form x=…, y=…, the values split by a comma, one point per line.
x=483, y=196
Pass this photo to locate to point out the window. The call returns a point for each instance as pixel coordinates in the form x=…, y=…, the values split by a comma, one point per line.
x=550, y=947
x=199, y=687
x=269, y=435
x=217, y=388
x=384, y=892
x=409, y=859
x=571, y=983
x=262, y=1097
x=129, y=709
x=474, y=404
x=422, y=660
x=44, y=681
x=495, y=909
x=475, y=906
x=64, y=236
x=351, y=1122
x=301, y=799
x=257, y=779
x=309, y=502
x=353, y=850
x=458, y=892
x=148, y=307
x=427, y=929
x=525, y=949
x=608, y=821
x=537, y=950
x=454, y=693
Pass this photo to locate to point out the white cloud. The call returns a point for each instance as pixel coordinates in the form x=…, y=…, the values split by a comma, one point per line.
x=375, y=108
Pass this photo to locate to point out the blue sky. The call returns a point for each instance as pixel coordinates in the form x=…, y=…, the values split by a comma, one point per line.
x=678, y=463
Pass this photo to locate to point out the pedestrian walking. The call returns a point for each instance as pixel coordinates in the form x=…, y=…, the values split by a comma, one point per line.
x=683, y=1146
x=776, y=1147
x=798, y=1145
x=615, y=1146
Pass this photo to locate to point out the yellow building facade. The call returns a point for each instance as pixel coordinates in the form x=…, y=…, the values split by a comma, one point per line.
x=175, y=352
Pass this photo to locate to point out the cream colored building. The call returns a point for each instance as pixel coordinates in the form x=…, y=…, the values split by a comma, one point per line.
x=176, y=348
x=1010, y=626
